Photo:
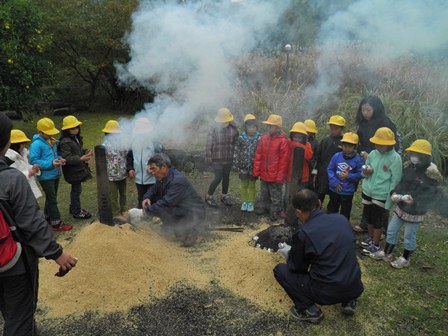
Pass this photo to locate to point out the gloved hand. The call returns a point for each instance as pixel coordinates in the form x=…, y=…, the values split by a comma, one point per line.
x=284, y=249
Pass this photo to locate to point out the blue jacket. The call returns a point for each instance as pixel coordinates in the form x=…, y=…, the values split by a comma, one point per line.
x=325, y=249
x=340, y=164
x=137, y=160
x=175, y=200
x=43, y=154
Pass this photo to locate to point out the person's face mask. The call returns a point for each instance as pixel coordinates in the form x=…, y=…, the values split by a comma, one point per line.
x=414, y=159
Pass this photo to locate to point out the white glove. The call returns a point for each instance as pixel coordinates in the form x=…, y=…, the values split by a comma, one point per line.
x=284, y=249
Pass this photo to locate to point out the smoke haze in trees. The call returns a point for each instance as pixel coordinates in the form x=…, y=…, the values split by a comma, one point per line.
x=185, y=53
x=384, y=30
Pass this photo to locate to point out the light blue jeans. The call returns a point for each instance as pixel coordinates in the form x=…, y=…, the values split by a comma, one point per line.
x=410, y=232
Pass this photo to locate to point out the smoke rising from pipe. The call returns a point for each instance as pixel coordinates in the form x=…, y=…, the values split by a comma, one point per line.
x=185, y=53
x=386, y=30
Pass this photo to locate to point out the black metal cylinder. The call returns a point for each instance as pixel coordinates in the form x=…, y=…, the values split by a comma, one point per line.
x=296, y=181
x=102, y=184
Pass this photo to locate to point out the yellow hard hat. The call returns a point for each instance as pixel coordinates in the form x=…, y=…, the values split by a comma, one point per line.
x=17, y=136
x=350, y=137
x=46, y=126
x=249, y=117
x=70, y=122
x=383, y=136
x=224, y=115
x=112, y=126
x=274, y=120
x=299, y=127
x=419, y=146
x=142, y=125
x=310, y=126
x=337, y=120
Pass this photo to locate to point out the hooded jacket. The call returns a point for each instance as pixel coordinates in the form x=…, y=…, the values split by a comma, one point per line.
x=21, y=163
x=43, y=153
x=75, y=170
x=137, y=160
x=271, y=158
x=340, y=164
x=244, y=155
x=421, y=182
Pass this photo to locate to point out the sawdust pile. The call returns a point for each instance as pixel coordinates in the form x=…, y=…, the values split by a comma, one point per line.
x=118, y=267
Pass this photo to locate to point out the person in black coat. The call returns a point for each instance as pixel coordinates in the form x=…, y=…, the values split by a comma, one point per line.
x=369, y=117
x=76, y=169
x=174, y=200
x=321, y=263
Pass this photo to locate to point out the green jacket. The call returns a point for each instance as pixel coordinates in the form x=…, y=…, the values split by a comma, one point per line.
x=387, y=171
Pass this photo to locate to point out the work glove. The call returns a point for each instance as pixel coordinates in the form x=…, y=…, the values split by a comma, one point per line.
x=284, y=249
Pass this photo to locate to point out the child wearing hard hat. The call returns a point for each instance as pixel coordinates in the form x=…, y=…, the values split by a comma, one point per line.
x=329, y=146
x=76, y=170
x=219, y=152
x=44, y=152
x=382, y=172
x=413, y=195
x=311, y=131
x=18, y=154
x=271, y=165
x=297, y=138
x=243, y=161
x=116, y=167
x=344, y=174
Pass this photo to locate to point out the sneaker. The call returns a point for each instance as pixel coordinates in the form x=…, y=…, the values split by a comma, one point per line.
x=306, y=315
x=388, y=257
x=226, y=200
x=83, y=214
x=244, y=206
x=61, y=227
x=250, y=206
x=210, y=200
x=282, y=214
x=400, y=262
x=366, y=242
x=348, y=308
x=378, y=255
x=371, y=249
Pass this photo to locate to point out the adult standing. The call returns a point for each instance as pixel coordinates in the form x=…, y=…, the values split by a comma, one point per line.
x=19, y=281
x=370, y=116
x=321, y=264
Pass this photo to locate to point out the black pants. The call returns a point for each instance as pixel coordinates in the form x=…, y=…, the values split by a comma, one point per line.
x=17, y=304
x=142, y=189
x=222, y=173
x=75, y=198
x=342, y=202
x=51, y=209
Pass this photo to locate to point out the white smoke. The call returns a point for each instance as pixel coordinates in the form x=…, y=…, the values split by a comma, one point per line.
x=186, y=53
x=385, y=30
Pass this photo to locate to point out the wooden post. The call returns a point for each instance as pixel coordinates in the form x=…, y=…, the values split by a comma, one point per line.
x=296, y=180
x=102, y=184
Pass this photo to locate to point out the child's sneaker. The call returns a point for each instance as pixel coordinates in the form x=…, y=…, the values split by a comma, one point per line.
x=371, y=249
x=61, y=227
x=83, y=214
x=210, y=200
x=244, y=206
x=366, y=242
x=226, y=200
x=348, y=308
x=400, y=262
x=250, y=206
x=312, y=314
x=378, y=255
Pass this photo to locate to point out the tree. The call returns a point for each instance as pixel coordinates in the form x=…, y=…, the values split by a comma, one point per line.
x=24, y=66
x=87, y=40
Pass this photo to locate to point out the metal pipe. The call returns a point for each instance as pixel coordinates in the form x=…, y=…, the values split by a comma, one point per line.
x=102, y=185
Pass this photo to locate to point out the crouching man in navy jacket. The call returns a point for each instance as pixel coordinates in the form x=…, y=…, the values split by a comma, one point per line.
x=174, y=200
x=321, y=264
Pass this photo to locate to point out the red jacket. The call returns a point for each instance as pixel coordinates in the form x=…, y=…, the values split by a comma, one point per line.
x=307, y=156
x=271, y=158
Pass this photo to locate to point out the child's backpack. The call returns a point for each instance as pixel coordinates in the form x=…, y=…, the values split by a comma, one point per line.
x=10, y=250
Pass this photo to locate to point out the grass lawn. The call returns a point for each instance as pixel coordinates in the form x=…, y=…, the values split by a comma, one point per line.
x=412, y=301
